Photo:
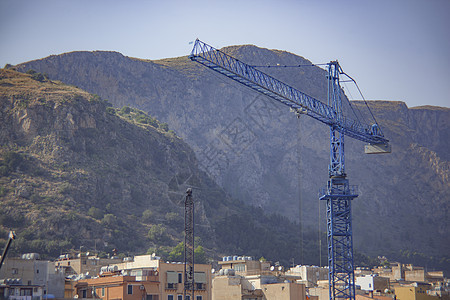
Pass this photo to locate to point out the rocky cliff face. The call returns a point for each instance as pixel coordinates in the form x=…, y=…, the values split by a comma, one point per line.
x=262, y=154
x=76, y=172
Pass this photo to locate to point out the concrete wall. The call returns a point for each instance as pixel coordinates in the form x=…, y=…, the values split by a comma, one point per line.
x=227, y=288
x=284, y=291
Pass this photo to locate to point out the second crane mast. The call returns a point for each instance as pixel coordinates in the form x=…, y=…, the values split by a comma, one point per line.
x=338, y=192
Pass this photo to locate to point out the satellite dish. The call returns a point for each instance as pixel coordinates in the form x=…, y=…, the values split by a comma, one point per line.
x=213, y=270
x=76, y=296
x=272, y=268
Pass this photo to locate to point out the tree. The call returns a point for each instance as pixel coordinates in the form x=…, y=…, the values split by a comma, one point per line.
x=177, y=253
x=199, y=255
x=95, y=212
x=157, y=233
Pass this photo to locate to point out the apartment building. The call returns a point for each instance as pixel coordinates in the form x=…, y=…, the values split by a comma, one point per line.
x=14, y=289
x=169, y=275
x=241, y=277
x=370, y=283
x=82, y=263
x=29, y=270
x=415, y=291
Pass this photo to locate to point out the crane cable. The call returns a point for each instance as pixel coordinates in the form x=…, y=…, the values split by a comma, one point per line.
x=365, y=102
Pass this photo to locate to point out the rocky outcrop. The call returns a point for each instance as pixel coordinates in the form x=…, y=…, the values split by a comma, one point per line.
x=260, y=153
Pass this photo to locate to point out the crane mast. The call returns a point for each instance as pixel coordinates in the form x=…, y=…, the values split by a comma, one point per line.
x=338, y=193
x=189, y=283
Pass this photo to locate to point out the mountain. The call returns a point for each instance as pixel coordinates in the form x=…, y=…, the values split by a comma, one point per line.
x=75, y=172
x=263, y=155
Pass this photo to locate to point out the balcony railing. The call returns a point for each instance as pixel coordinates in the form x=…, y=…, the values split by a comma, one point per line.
x=171, y=286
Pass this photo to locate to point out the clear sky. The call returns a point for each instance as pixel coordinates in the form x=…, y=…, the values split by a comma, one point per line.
x=395, y=49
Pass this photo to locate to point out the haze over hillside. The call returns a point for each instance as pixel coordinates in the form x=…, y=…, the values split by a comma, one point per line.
x=262, y=154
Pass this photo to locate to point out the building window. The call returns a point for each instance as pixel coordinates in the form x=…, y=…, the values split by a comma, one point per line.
x=26, y=292
x=180, y=277
x=239, y=267
x=199, y=297
x=103, y=292
x=15, y=271
x=180, y=297
x=188, y=297
x=37, y=271
x=84, y=293
x=169, y=297
x=130, y=289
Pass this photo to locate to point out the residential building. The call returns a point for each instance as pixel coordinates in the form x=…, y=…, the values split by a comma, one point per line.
x=116, y=286
x=83, y=263
x=170, y=276
x=372, y=283
x=415, y=291
x=309, y=275
x=322, y=291
x=31, y=271
x=371, y=296
x=14, y=289
x=241, y=277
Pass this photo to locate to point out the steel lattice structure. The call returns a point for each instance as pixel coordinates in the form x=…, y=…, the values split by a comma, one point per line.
x=338, y=192
x=189, y=245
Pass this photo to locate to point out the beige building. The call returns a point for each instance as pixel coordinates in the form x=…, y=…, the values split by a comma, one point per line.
x=170, y=276
x=31, y=271
x=83, y=263
x=415, y=291
x=14, y=289
x=309, y=275
x=322, y=291
x=244, y=278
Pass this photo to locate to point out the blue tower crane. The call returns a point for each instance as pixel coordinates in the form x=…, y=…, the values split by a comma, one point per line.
x=338, y=192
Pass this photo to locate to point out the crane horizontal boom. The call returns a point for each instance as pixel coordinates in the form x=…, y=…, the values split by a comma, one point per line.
x=267, y=85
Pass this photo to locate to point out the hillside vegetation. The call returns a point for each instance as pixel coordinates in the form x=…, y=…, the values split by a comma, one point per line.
x=76, y=172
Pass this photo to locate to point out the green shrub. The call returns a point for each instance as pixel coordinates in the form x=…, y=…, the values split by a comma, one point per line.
x=64, y=188
x=125, y=110
x=95, y=212
x=12, y=161
x=157, y=233
x=147, y=216
x=109, y=220
x=164, y=126
x=38, y=77
x=111, y=110
x=3, y=190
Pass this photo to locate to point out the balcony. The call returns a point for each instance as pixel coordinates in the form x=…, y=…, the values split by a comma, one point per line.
x=171, y=286
x=200, y=286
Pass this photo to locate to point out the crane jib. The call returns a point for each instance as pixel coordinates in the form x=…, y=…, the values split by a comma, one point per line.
x=277, y=90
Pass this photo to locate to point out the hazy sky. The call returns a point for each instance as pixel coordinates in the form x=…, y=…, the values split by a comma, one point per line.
x=395, y=49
